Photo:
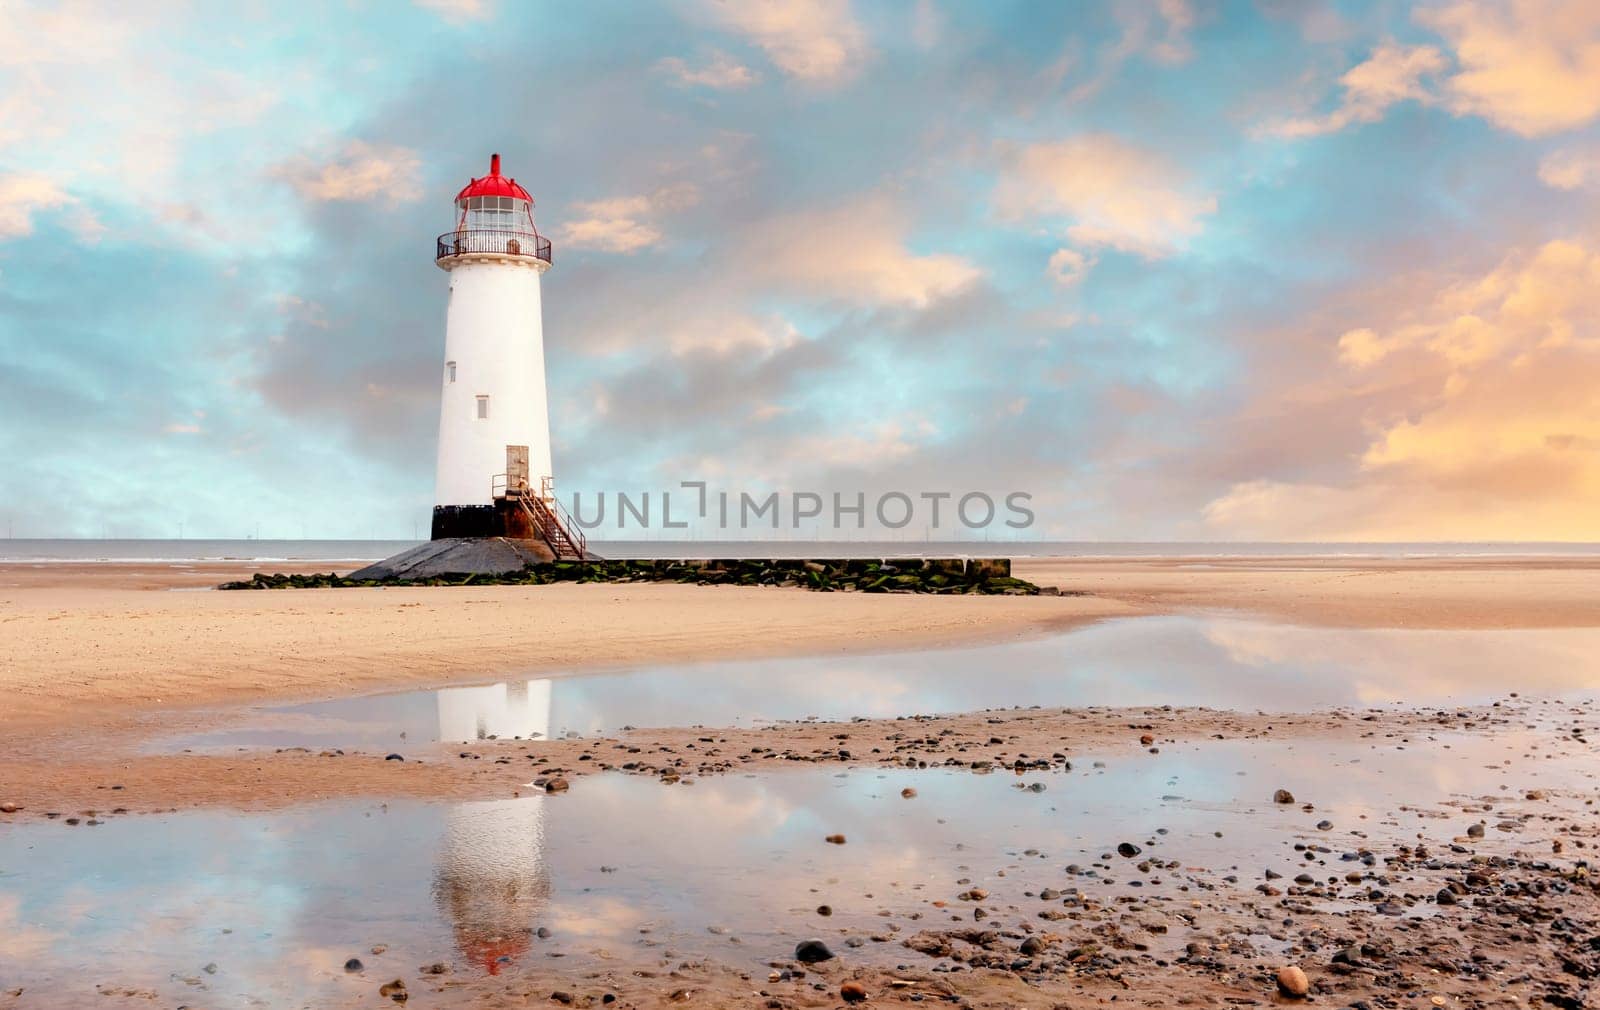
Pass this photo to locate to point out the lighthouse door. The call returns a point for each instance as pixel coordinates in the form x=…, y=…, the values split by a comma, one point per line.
x=517, y=467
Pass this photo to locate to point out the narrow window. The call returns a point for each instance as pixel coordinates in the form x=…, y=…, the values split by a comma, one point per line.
x=483, y=407
x=450, y=371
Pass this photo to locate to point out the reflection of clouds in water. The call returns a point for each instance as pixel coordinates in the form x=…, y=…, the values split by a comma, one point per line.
x=144, y=899
x=1218, y=661
x=20, y=942
x=870, y=692
x=1378, y=665
x=596, y=918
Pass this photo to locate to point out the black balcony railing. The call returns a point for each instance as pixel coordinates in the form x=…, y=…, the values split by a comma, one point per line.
x=500, y=243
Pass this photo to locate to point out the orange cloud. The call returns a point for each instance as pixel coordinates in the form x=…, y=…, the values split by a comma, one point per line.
x=24, y=194
x=21, y=196
x=1115, y=194
x=817, y=41
x=1573, y=168
x=1068, y=266
x=625, y=224
x=856, y=251
x=1393, y=73
x=361, y=172
x=1532, y=66
x=721, y=72
x=1500, y=436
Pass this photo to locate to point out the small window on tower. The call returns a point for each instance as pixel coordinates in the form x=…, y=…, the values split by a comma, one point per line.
x=483, y=407
x=450, y=371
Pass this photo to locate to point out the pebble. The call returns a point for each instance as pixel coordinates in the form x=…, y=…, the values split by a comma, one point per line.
x=353, y=965
x=853, y=992
x=395, y=990
x=834, y=839
x=1293, y=982
x=1283, y=796
x=9, y=808
x=812, y=952
x=1128, y=849
x=824, y=910
x=908, y=793
x=394, y=757
x=557, y=785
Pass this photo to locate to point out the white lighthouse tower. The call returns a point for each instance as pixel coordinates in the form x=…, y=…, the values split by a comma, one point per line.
x=494, y=477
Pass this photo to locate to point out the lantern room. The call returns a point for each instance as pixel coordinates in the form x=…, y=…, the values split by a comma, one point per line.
x=494, y=216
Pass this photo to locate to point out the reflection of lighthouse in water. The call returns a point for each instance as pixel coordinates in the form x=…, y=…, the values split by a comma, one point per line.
x=507, y=711
x=491, y=881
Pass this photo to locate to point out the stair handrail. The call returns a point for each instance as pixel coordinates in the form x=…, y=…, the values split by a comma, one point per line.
x=554, y=524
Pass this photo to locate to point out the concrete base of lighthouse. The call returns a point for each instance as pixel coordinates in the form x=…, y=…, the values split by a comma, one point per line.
x=460, y=556
x=505, y=518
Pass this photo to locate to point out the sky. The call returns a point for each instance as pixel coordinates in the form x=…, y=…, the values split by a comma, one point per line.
x=1177, y=270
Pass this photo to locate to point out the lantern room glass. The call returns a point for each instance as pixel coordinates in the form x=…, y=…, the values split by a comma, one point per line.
x=497, y=213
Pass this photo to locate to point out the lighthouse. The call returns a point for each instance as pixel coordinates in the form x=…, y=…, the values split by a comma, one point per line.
x=493, y=476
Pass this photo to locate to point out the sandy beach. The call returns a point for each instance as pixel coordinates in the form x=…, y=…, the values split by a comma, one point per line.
x=102, y=640
x=97, y=661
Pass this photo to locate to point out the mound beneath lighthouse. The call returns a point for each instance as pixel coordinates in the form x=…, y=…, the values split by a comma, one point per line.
x=459, y=556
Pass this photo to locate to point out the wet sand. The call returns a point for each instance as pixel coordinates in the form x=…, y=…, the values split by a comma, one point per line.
x=92, y=663
x=1474, y=592
x=1473, y=893
x=104, y=772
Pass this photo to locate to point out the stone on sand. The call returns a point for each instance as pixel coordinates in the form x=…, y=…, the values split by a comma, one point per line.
x=1293, y=982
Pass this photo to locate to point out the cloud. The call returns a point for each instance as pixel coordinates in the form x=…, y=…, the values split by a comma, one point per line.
x=1115, y=194
x=107, y=101
x=1532, y=66
x=20, y=941
x=856, y=251
x=1178, y=19
x=362, y=171
x=1491, y=429
x=1068, y=266
x=1573, y=168
x=721, y=72
x=733, y=333
x=816, y=41
x=885, y=443
x=458, y=11
x=23, y=195
x=625, y=224
x=1156, y=31
x=1393, y=73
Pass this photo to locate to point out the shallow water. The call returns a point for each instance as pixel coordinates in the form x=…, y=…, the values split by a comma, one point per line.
x=734, y=866
x=1218, y=661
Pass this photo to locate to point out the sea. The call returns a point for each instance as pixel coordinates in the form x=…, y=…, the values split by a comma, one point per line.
x=43, y=551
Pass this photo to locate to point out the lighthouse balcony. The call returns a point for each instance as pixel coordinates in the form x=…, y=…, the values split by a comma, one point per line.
x=492, y=243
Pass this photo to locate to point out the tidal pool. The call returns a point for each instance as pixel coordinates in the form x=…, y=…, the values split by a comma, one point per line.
x=228, y=909
x=1218, y=661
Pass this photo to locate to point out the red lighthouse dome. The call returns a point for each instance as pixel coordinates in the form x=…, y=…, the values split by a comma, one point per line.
x=494, y=218
x=493, y=184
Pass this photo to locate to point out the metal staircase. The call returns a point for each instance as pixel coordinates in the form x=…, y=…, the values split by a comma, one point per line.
x=550, y=522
